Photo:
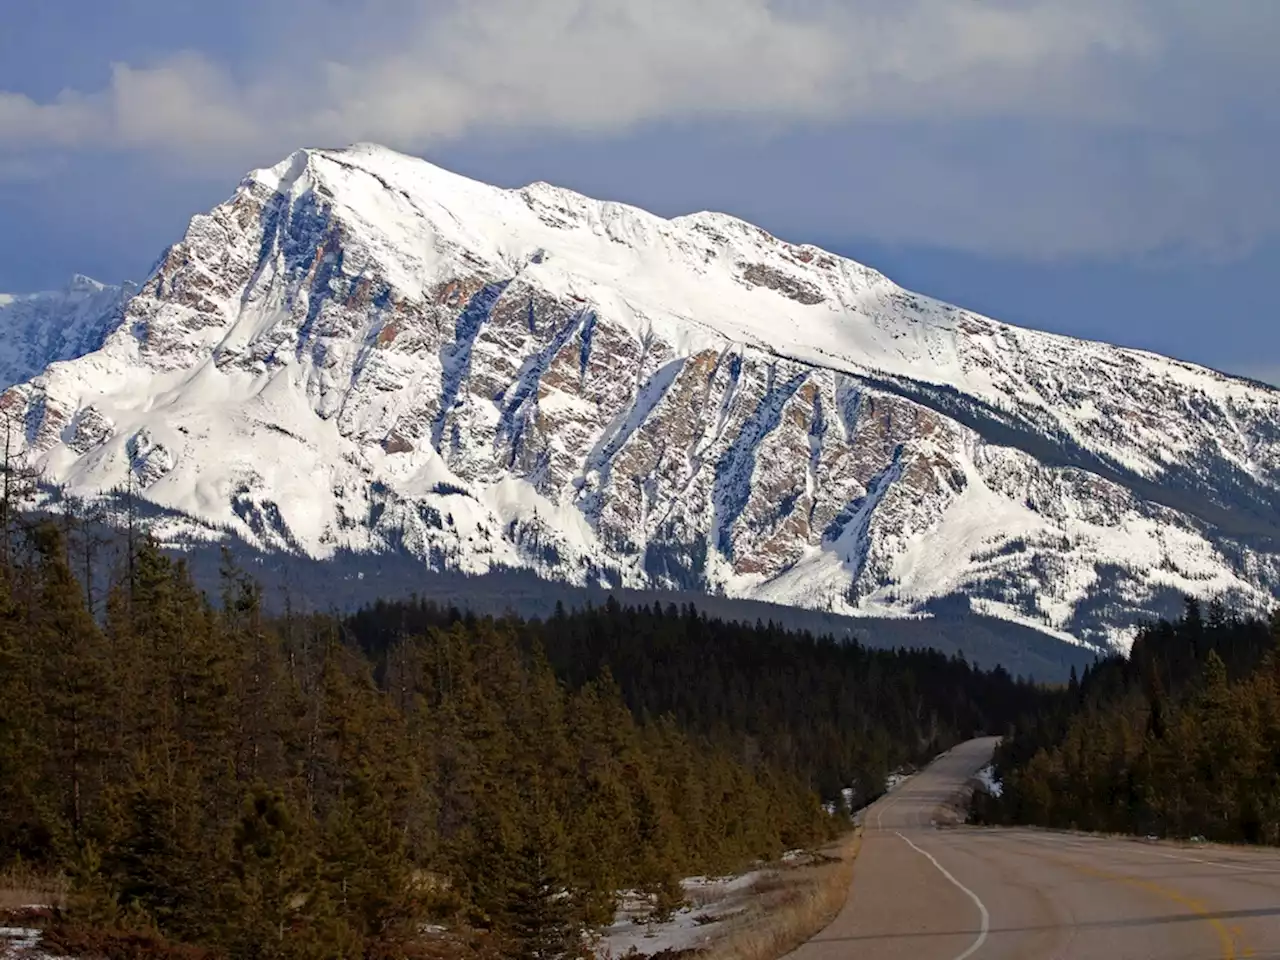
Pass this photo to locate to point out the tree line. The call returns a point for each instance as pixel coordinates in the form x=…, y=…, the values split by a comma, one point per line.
x=1179, y=739
x=260, y=787
x=218, y=779
x=832, y=714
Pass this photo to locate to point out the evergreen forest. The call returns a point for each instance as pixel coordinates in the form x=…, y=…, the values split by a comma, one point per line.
x=411, y=780
x=1180, y=739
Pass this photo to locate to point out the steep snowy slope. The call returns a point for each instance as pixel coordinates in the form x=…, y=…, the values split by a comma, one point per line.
x=361, y=350
x=38, y=328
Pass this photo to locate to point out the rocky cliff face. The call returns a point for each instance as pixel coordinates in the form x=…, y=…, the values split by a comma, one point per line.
x=359, y=350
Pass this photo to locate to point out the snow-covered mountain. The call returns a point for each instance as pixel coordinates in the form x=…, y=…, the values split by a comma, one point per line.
x=38, y=328
x=360, y=350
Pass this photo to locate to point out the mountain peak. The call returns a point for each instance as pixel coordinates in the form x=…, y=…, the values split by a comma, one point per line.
x=41, y=328
x=80, y=284
x=412, y=212
x=362, y=351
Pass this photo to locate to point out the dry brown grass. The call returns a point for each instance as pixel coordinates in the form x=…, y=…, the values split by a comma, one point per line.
x=792, y=905
x=21, y=886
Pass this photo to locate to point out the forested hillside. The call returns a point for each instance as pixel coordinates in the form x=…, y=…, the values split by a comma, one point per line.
x=315, y=786
x=1182, y=739
x=834, y=715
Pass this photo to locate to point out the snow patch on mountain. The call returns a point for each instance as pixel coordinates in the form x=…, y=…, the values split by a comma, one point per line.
x=360, y=351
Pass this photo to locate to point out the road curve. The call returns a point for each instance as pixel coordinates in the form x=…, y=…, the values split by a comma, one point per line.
x=935, y=891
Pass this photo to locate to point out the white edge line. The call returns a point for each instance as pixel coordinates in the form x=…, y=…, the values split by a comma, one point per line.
x=982, y=907
x=880, y=813
x=888, y=802
x=890, y=798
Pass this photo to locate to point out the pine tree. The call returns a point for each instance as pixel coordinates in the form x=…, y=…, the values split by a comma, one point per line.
x=365, y=866
x=541, y=911
x=74, y=668
x=602, y=815
x=23, y=831
x=273, y=882
x=155, y=864
x=18, y=481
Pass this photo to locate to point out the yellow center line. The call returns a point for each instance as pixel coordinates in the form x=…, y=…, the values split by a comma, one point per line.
x=1226, y=938
x=1245, y=949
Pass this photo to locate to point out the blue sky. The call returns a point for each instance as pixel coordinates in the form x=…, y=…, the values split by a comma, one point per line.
x=1105, y=168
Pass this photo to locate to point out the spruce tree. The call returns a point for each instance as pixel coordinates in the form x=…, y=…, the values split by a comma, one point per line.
x=74, y=669
x=273, y=883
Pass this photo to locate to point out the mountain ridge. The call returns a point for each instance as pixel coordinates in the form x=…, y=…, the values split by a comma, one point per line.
x=362, y=351
x=56, y=325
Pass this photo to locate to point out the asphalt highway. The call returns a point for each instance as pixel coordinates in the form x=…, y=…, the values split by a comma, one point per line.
x=925, y=888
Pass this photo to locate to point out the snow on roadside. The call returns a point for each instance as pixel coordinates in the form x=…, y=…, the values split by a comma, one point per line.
x=894, y=780
x=987, y=777
x=712, y=902
x=686, y=930
x=19, y=943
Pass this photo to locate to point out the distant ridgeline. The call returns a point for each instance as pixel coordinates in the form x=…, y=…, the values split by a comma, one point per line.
x=1181, y=739
x=305, y=785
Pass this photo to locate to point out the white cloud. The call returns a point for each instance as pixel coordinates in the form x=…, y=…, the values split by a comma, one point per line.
x=68, y=120
x=605, y=66
x=1026, y=127
x=187, y=103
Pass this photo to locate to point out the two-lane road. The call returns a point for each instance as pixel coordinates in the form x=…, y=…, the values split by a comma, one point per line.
x=922, y=892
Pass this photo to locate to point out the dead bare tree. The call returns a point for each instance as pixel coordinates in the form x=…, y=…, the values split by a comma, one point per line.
x=19, y=479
